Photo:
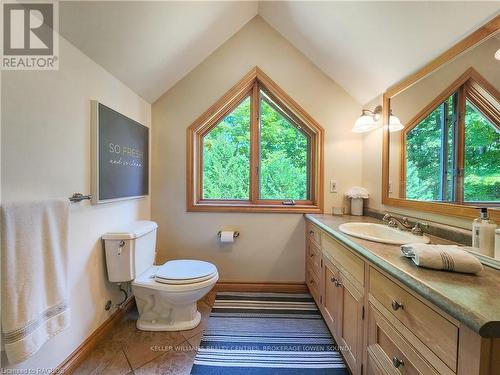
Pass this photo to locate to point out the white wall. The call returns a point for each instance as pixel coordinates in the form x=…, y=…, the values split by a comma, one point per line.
x=46, y=153
x=271, y=246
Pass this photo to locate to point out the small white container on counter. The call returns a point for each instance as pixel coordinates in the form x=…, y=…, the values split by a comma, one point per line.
x=357, y=206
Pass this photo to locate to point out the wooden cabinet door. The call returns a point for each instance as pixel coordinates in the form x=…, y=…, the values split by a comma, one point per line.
x=331, y=294
x=350, y=324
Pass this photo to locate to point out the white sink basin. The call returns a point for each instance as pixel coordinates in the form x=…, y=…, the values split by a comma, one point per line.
x=381, y=233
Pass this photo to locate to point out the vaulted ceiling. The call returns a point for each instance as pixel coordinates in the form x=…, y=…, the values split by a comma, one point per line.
x=364, y=46
x=150, y=45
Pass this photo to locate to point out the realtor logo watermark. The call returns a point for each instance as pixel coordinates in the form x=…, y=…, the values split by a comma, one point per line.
x=30, y=35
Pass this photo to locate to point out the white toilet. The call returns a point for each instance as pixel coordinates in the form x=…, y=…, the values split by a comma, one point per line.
x=166, y=295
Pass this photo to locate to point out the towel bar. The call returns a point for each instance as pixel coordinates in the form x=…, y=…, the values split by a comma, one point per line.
x=78, y=197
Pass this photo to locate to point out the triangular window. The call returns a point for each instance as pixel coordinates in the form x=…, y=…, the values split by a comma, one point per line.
x=255, y=150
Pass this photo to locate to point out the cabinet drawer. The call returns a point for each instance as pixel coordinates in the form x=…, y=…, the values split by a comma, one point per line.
x=389, y=352
x=313, y=257
x=312, y=281
x=349, y=262
x=435, y=331
x=372, y=365
x=313, y=233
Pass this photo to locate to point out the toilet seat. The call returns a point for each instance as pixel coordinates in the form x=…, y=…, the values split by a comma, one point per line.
x=185, y=271
x=183, y=282
x=147, y=280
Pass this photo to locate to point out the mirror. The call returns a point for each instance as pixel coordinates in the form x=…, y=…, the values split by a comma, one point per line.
x=448, y=152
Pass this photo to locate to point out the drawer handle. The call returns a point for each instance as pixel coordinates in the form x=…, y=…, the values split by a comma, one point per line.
x=311, y=255
x=311, y=281
x=396, y=362
x=336, y=282
x=396, y=305
x=311, y=232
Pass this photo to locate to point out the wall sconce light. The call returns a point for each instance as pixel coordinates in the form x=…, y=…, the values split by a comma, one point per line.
x=368, y=120
x=497, y=54
x=394, y=123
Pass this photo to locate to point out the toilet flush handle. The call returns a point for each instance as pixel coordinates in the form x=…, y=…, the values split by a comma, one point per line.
x=120, y=247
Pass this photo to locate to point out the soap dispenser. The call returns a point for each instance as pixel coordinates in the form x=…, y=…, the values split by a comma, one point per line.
x=483, y=234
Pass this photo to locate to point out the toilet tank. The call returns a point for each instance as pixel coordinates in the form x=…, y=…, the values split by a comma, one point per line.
x=130, y=251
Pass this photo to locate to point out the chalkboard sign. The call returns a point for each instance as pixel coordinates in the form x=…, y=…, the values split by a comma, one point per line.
x=121, y=156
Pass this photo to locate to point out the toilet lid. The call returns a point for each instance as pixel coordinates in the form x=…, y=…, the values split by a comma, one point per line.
x=185, y=271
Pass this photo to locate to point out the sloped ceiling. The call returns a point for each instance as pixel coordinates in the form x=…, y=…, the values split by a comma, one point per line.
x=367, y=47
x=364, y=46
x=150, y=45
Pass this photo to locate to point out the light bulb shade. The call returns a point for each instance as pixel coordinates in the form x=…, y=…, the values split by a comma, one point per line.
x=395, y=124
x=364, y=123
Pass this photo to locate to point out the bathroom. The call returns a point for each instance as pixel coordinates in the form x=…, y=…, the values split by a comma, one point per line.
x=349, y=85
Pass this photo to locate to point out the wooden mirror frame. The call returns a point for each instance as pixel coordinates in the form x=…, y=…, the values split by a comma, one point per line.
x=443, y=208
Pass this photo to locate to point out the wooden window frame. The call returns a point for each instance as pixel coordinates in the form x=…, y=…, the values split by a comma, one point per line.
x=483, y=33
x=250, y=86
x=470, y=86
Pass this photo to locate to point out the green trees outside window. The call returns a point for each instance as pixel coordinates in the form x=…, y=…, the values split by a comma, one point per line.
x=482, y=157
x=226, y=156
x=423, y=163
x=430, y=155
x=283, y=153
x=434, y=152
x=283, y=156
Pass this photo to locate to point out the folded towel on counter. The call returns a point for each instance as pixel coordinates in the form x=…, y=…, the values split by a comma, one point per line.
x=34, y=275
x=442, y=257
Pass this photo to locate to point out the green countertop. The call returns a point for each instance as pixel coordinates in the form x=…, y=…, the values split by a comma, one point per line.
x=473, y=300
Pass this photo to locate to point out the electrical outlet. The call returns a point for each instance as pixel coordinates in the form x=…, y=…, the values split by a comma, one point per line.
x=390, y=186
x=333, y=186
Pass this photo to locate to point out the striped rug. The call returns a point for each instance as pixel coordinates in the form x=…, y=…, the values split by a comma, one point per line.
x=267, y=333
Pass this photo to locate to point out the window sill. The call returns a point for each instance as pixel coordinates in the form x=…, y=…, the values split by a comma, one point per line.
x=245, y=207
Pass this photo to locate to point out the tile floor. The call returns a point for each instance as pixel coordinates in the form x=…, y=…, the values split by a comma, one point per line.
x=127, y=351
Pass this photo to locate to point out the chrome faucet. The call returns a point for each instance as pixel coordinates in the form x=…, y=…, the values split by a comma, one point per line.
x=404, y=225
x=394, y=222
x=419, y=227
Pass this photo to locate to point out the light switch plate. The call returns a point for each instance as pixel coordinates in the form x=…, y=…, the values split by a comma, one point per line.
x=333, y=186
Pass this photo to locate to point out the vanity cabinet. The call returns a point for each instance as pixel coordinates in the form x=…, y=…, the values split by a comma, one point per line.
x=340, y=293
x=382, y=327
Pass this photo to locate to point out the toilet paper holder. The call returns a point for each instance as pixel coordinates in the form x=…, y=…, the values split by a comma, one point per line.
x=235, y=234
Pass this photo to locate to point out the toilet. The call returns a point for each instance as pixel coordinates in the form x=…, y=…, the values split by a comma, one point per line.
x=166, y=295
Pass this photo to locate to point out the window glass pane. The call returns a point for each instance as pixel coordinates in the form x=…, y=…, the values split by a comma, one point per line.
x=429, y=165
x=482, y=157
x=283, y=155
x=226, y=156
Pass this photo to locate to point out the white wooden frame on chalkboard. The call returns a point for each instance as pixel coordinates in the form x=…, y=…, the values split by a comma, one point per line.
x=94, y=117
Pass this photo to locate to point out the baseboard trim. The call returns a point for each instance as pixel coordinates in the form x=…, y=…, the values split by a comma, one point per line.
x=76, y=358
x=277, y=287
